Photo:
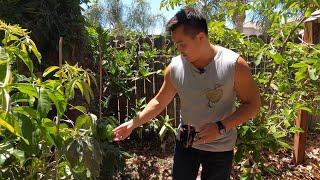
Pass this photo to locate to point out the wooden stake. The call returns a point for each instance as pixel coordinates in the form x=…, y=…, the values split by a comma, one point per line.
x=311, y=36
x=100, y=81
x=300, y=139
x=58, y=118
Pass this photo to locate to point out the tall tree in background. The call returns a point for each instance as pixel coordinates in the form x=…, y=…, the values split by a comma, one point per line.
x=239, y=14
x=119, y=18
x=140, y=18
x=95, y=14
x=262, y=11
x=114, y=12
x=216, y=10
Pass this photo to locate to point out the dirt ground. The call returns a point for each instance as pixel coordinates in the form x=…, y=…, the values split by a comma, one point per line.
x=151, y=163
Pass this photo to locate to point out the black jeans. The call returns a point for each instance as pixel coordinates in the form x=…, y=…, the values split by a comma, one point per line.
x=215, y=165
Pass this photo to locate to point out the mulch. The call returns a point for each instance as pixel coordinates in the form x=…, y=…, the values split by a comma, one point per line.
x=153, y=162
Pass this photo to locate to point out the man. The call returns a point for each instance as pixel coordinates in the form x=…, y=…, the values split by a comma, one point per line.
x=207, y=78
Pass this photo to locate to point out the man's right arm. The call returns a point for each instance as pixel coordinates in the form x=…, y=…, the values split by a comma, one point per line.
x=153, y=108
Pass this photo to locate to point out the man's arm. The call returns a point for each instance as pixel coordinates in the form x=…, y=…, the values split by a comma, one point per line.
x=153, y=108
x=248, y=93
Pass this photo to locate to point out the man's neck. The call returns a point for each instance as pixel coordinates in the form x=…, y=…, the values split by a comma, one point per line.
x=207, y=57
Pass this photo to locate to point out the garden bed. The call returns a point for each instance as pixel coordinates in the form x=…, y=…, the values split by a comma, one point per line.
x=148, y=162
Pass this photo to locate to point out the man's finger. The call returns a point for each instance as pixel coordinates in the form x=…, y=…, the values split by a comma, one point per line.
x=203, y=132
x=117, y=128
x=119, y=137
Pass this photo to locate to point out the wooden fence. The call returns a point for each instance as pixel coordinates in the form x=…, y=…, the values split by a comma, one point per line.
x=121, y=106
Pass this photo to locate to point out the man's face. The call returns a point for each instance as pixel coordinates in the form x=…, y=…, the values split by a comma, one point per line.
x=188, y=46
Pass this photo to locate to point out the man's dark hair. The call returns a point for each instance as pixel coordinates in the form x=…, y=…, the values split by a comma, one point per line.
x=192, y=20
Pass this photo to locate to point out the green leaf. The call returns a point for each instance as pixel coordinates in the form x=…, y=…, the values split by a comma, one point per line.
x=44, y=104
x=88, y=94
x=162, y=132
x=11, y=37
x=91, y=162
x=49, y=70
x=27, y=111
x=27, y=89
x=317, y=3
x=80, y=108
x=20, y=97
x=83, y=121
x=275, y=87
x=49, y=125
x=79, y=85
x=59, y=101
x=301, y=74
x=306, y=109
x=244, y=130
x=73, y=153
x=285, y=145
x=19, y=155
x=69, y=88
x=5, y=100
x=64, y=126
x=259, y=58
x=27, y=127
x=172, y=129
x=24, y=56
x=312, y=74
x=317, y=98
x=308, y=13
x=35, y=50
x=6, y=125
x=296, y=130
x=278, y=59
x=299, y=65
x=4, y=57
x=58, y=140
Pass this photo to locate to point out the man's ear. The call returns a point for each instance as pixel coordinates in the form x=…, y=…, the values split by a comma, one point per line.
x=201, y=36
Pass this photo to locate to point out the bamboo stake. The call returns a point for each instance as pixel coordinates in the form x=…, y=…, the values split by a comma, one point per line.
x=58, y=118
x=100, y=81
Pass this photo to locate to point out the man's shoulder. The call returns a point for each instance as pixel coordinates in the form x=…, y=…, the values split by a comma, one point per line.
x=176, y=60
x=228, y=56
x=228, y=50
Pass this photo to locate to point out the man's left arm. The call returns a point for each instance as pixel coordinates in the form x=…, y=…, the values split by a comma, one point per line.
x=248, y=92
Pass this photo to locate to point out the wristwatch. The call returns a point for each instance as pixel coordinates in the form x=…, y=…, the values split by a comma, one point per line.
x=222, y=129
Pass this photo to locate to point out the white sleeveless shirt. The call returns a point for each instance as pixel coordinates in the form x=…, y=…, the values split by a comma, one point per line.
x=208, y=96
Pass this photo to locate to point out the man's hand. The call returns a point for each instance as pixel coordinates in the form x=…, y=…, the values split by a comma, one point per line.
x=123, y=131
x=207, y=133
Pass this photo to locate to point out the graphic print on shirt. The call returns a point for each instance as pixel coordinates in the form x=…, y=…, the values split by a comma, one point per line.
x=214, y=96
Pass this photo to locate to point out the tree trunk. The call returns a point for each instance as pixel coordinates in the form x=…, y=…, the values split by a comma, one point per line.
x=239, y=15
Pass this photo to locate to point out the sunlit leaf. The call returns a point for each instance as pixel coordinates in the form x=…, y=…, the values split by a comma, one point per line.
x=312, y=74
x=49, y=70
x=27, y=88
x=6, y=125
x=83, y=121
x=59, y=101
x=44, y=103
x=80, y=108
